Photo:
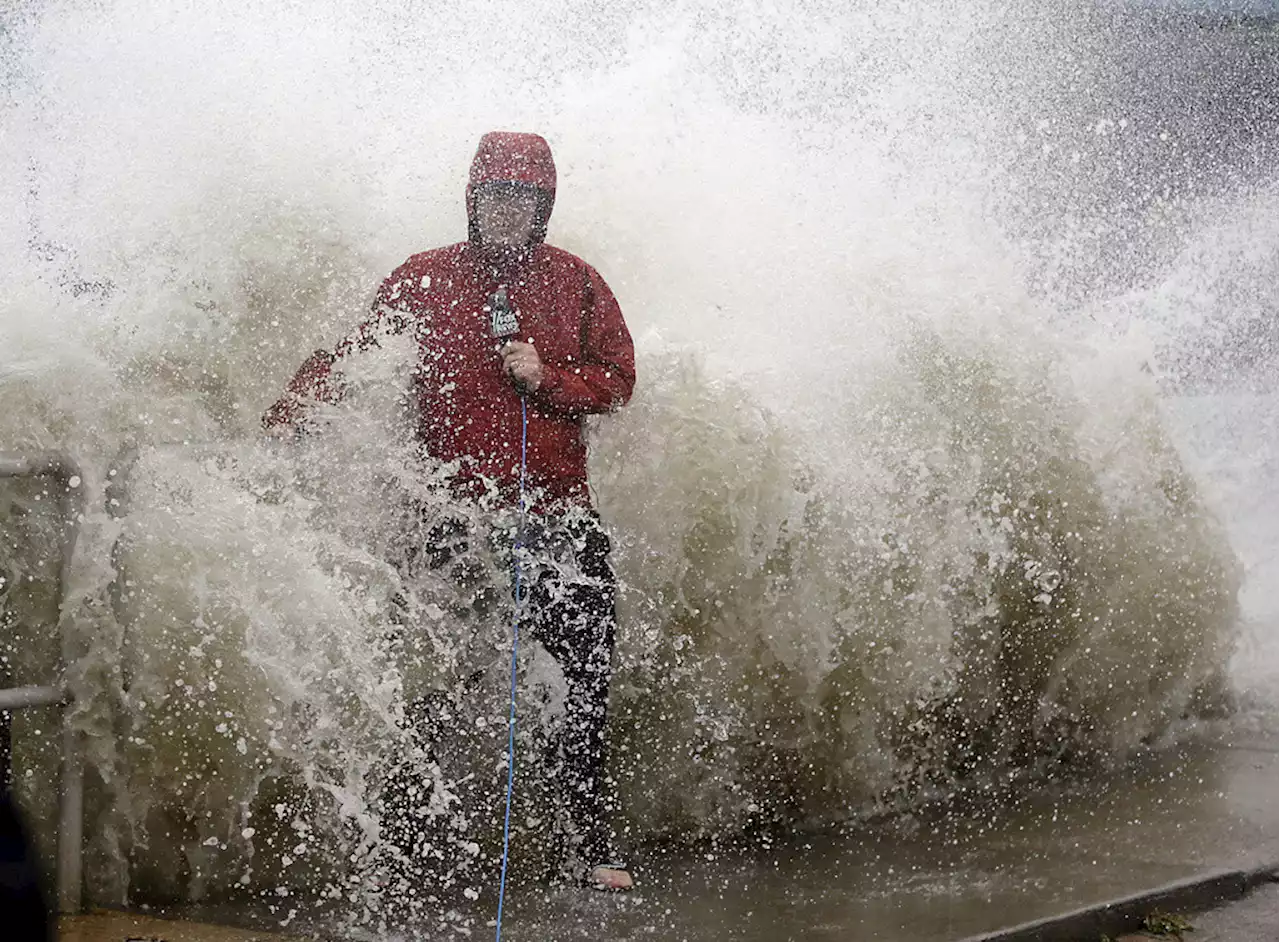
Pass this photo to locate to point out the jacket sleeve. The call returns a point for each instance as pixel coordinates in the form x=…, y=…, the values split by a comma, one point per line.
x=316, y=380
x=602, y=377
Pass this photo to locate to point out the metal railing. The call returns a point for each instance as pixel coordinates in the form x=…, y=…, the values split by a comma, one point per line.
x=64, y=473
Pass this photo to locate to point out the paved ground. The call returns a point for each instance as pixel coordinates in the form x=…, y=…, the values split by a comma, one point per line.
x=122, y=927
x=932, y=876
x=1252, y=919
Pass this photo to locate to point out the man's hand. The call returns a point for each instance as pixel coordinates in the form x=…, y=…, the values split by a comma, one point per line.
x=520, y=361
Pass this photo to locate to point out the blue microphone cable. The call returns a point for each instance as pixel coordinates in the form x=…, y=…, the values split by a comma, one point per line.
x=515, y=643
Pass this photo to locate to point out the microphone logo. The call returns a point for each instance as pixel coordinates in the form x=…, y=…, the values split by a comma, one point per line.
x=502, y=317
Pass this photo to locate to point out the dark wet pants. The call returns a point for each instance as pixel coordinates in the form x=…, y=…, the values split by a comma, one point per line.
x=572, y=615
x=576, y=622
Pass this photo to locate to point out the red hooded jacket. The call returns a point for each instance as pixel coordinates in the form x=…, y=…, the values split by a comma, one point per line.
x=467, y=410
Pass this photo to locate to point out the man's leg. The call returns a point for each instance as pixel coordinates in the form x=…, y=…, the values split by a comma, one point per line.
x=411, y=840
x=427, y=549
x=576, y=622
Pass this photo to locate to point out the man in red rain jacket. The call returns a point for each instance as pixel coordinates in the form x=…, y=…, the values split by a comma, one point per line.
x=499, y=317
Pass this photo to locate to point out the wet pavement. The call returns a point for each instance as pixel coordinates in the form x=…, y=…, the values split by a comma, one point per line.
x=129, y=927
x=1252, y=919
x=951, y=873
x=943, y=873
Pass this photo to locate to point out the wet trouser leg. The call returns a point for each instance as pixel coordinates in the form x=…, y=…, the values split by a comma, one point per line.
x=574, y=619
x=572, y=615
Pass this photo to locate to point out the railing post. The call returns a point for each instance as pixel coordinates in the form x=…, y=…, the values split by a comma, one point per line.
x=71, y=823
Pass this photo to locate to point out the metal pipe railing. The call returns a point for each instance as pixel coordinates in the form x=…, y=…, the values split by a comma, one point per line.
x=63, y=471
x=19, y=698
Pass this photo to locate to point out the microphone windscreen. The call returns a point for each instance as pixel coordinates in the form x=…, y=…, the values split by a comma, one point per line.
x=502, y=317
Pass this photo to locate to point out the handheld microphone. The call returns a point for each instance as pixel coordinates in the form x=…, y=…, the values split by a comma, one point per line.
x=503, y=324
x=502, y=316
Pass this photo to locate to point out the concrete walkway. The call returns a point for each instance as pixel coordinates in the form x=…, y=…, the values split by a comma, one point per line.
x=1252, y=919
x=956, y=873
x=1079, y=847
x=125, y=927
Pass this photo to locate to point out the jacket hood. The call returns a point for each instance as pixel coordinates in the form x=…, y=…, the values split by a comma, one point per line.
x=514, y=157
